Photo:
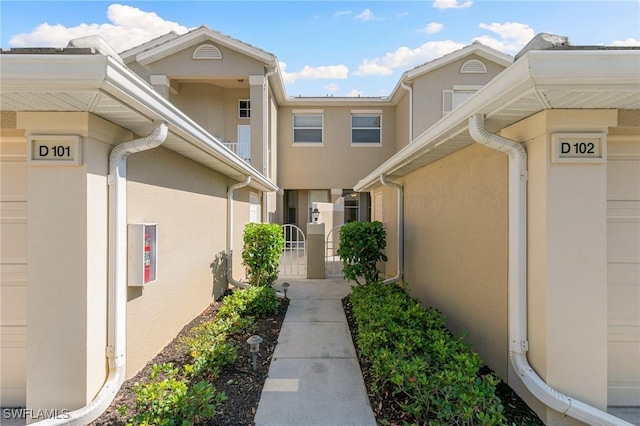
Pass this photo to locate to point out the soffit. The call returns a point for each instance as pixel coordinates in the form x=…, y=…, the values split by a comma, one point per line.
x=529, y=86
x=139, y=122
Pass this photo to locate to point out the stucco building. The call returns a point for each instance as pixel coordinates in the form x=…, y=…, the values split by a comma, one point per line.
x=173, y=146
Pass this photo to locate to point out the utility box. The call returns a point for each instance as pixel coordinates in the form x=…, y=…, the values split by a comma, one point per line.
x=142, y=254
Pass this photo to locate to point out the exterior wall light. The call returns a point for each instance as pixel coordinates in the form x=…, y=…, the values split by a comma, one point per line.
x=254, y=345
x=315, y=214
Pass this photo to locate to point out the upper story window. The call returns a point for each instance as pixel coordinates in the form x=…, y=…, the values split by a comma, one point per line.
x=244, y=108
x=308, y=127
x=366, y=127
x=452, y=99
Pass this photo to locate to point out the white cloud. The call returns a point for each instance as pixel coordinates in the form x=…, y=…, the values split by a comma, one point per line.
x=341, y=13
x=129, y=27
x=329, y=72
x=432, y=28
x=366, y=15
x=354, y=93
x=451, y=4
x=628, y=42
x=403, y=14
x=513, y=36
x=406, y=58
x=332, y=88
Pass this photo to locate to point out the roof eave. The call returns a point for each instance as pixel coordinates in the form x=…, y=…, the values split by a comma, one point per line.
x=533, y=72
x=104, y=75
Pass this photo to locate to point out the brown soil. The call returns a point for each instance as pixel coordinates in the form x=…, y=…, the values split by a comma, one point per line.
x=244, y=387
x=238, y=381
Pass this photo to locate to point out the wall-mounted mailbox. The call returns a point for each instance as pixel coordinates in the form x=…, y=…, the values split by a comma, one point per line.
x=143, y=254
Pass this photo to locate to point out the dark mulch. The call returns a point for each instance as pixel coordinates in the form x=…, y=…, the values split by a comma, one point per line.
x=387, y=408
x=238, y=381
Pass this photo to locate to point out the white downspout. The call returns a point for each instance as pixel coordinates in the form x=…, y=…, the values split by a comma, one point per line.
x=117, y=290
x=410, y=90
x=518, y=344
x=230, y=191
x=400, y=230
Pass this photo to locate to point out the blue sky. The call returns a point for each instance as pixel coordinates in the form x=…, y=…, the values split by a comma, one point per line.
x=330, y=47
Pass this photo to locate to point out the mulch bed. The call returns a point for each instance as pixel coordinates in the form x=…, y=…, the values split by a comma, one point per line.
x=238, y=381
x=243, y=386
x=386, y=407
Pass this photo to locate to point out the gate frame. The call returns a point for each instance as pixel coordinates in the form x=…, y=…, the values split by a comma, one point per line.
x=296, y=266
x=332, y=244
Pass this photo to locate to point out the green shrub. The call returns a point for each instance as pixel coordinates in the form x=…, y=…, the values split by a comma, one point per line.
x=434, y=374
x=361, y=245
x=169, y=399
x=253, y=301
x=263, y=244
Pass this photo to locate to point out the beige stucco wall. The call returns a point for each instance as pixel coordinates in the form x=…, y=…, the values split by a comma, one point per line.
x=189, y=204
x=335, y=164
x=427, y=89
x=567, y=269
x=455, y=231
x=67, y=269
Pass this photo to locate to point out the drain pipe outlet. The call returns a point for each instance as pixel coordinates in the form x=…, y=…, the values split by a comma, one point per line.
x=400, y=230
x=230, y=191
x=517, y=287
x=117, y=286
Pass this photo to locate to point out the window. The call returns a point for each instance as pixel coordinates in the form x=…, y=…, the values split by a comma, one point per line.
x=452, y=99
x=365, y=128
x=244, y=108
x=307, y=128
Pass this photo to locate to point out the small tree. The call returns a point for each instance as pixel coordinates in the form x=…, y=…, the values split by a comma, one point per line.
x=263, y=244
x=361, y=245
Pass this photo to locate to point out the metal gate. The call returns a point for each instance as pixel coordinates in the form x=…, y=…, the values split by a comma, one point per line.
x=293, y=262
x=332, y=262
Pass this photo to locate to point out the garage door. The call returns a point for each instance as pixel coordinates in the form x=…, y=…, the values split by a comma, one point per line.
x=623, y=249
x=13, y=271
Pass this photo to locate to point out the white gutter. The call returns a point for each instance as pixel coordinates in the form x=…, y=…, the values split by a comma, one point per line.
x=230, y=191
x=117, y=288
x=517, y=292
x=400, y=230
x=410, y=90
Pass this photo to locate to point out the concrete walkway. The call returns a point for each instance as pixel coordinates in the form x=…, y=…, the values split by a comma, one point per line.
x=314, y=376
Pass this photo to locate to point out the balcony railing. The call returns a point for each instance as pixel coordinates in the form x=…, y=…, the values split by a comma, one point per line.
x=242, y=150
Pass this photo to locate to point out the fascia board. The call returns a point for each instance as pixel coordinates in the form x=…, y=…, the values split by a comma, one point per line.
x=478, y=49
x=583, y=68
x=329, y=101
x=533, y=72
x=198, y=36
x=516, y=83
x=74, y=73
x=130, y=54
x=103, y=74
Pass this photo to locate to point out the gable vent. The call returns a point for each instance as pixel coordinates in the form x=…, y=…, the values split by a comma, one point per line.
x=473, y=66
x=207, y=51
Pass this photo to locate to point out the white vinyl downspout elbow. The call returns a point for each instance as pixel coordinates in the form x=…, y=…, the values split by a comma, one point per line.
x=117, y=286
x=400, y=230
x=517, y=283
x=230, y=191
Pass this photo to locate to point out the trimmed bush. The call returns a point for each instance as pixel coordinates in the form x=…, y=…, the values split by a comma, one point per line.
x=361, y=245
x=263, y=244
x=174, y=396
x=434, y=374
